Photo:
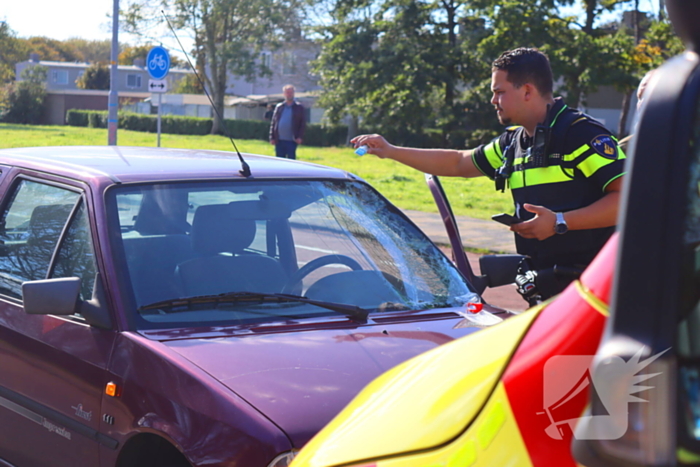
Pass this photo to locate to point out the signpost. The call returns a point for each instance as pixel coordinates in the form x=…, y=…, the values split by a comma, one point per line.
x=113, y=99
x=158, y=66
x=157, y=85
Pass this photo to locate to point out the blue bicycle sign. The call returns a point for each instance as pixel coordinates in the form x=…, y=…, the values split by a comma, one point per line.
x=158, y=62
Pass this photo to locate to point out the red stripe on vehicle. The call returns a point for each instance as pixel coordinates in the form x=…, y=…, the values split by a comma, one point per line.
x=570, y=325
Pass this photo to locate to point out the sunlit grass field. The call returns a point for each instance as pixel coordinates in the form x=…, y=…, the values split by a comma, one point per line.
x=403, y=186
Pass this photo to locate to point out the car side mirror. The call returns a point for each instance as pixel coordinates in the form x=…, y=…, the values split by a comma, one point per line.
x=499, y=269
x=95, y=310
x=62, y=297
x=51, y=296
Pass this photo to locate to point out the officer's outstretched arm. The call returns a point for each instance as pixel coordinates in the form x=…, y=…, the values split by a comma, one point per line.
x=444, y=162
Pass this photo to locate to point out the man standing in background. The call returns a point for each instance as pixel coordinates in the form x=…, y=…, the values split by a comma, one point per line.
x=287, y=125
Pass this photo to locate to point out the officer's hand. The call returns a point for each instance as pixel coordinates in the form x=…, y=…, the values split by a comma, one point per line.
x=539, y=227
x=376, y=144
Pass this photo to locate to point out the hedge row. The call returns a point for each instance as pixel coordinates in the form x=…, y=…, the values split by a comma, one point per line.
x=316, y=135
x=138, y=122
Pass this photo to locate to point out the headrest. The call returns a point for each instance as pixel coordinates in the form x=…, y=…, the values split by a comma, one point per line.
x=47, y=221
x=259, y=210
x=215, y=229
x=162, y=212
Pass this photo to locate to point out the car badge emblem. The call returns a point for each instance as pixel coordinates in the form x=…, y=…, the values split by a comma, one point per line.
x=79, y=412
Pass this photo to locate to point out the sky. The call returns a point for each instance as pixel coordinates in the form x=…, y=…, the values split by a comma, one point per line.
x=59, y=19
x=65, y=19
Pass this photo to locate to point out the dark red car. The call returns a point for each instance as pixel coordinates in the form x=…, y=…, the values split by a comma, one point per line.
x=157, y=308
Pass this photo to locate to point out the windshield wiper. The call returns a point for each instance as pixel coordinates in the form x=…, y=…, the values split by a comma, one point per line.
x=355, y=312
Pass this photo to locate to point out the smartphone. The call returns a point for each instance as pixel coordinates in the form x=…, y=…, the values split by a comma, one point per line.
x=505, y=219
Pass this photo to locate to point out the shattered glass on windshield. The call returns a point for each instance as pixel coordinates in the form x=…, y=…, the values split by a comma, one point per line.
x=332, y=241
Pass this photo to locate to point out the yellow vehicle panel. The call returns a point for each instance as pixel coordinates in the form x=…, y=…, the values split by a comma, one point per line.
x=492, y=440
x=423, y=403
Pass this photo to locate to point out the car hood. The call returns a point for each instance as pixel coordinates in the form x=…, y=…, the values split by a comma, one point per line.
x=422, y=403
x=300, y=380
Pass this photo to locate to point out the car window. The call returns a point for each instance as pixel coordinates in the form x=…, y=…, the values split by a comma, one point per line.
x=335, y=241
x=128, y=209
x=32, y=223
x=363, y=229
x=76, y=257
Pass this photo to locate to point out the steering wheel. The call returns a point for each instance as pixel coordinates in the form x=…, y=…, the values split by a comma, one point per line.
x=296, y=278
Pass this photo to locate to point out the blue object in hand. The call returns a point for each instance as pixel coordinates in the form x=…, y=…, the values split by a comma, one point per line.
x=362, y=150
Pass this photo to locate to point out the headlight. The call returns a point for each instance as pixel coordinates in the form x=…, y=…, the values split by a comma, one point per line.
x=283, y=460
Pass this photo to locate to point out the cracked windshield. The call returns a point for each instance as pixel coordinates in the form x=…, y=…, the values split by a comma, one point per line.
x=189, y=247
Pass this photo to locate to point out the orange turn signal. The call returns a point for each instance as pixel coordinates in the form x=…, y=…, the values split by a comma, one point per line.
x=112, y=389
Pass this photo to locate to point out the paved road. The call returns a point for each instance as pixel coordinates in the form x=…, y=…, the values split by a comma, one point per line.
x=475, y=233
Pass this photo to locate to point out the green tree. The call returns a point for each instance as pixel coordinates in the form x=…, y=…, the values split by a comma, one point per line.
x=402, y=67
x=505, y=26
x=397, y=66
x=584, y=55
x=53, y=49
x=91, y=51
x=228, y=34
x=129, y=53
x=572, y=47
x=658, y=45
x=96, y=76
x=12, y=50
x=24, y=101
x=617, y=49
x=188, y=85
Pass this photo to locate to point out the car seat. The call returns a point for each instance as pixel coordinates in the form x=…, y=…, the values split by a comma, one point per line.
x=220, y=238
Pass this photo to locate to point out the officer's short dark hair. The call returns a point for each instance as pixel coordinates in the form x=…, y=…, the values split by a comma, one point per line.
x=526, y=65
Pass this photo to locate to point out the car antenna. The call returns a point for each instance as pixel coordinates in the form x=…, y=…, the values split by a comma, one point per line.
x=245, y=170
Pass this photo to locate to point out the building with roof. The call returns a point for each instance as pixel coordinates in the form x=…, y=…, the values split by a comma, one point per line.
x=63, y=93
x=249, y=99
x=250, y=107
x=288, y=65
x=63, y=76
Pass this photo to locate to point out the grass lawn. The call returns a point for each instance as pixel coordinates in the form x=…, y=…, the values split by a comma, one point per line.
x=403, y=186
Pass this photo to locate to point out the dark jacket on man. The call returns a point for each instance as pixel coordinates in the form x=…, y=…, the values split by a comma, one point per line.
x=298, y=121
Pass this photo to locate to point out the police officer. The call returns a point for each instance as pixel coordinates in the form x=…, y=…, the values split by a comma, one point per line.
x=563, y=167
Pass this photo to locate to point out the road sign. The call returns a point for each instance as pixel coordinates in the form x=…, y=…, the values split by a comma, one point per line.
x=158, y=62
x=157, y=85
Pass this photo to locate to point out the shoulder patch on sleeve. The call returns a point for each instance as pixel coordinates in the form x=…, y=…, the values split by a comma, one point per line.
x=605, y=146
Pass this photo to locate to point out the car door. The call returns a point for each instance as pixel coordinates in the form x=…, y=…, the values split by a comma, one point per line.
x=646, y=374
x=458, y=255
x=52, y=368
x=495, y=269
